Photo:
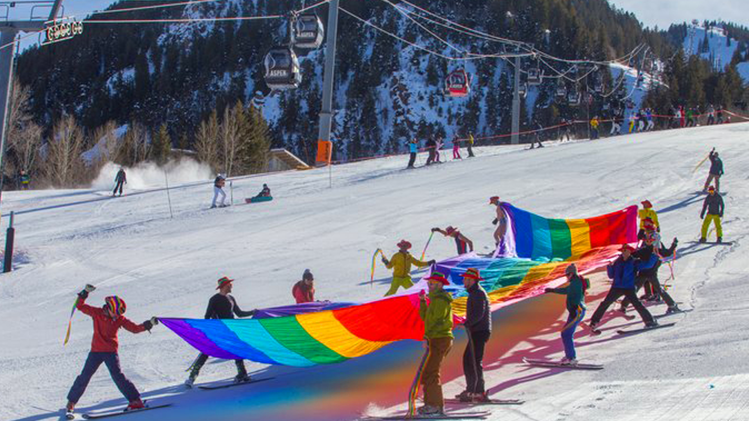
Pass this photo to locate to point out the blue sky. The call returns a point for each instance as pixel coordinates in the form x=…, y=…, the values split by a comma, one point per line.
x=665, y=12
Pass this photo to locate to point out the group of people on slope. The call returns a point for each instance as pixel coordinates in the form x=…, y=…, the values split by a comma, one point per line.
x=218, y=190
x=434, y=146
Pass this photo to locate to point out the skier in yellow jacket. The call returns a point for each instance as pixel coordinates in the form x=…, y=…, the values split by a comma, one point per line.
x=401, y=264
x=646, y=212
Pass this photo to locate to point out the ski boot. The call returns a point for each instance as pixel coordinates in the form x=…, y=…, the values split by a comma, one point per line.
x=481, y=398
x=190, y=382
x=651, y=324
x=135, y=405
x=720, y=240
x=242, y=378
x=430, y=411
x=464, y=396
x=568, y=361
x=70, y=411
x=703, y=239
x=674, y=309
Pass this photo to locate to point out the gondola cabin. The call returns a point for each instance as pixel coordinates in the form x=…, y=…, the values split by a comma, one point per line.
x=573, y=98
x=534, y=76
x=308, y=32
x=282, y=69
x=523, y=90
x=457, y=84
x=561, y=91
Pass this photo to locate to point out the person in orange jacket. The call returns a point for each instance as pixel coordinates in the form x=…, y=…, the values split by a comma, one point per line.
x=401, y=264
x=107, y=321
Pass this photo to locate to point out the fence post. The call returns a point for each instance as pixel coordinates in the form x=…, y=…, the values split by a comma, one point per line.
x=10, y=235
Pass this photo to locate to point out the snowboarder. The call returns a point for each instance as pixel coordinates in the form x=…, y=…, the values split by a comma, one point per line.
x=401, y=264
x=716, y=171
x=304, y=290
x=594, y=123
x=575, y=292
x=647, y=212
x=500, y=221
x=622, y=271
x=714, y=206
x=431, y=146
x=437, y=315
x=119, y=180
x=265, y=192
x=221, y=306
x=218, y=189
x=461, y=241
x=478, y=325
x=456, y=148
x=470, y=145
x=413, y=149
x=104, y=346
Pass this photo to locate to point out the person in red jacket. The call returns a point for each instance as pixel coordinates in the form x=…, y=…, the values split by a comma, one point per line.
x=304, y=290
x=107, y=321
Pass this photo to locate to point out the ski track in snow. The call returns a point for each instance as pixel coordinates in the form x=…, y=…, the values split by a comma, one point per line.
x=168, y=267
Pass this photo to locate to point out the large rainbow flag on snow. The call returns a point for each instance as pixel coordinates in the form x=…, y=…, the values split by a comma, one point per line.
x=534, y=256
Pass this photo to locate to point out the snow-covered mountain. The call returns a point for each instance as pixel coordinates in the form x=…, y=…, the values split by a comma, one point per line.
x=714, y=44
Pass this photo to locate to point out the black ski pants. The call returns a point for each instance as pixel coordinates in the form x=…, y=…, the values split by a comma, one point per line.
x=118, y=186
x=202, y=358
x=656, y=289
x=612, y=296
x=472, y=360
x=411, y=160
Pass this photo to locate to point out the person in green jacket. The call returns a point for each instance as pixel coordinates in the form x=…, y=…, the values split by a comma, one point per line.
x=575, y=292
x=435, y=309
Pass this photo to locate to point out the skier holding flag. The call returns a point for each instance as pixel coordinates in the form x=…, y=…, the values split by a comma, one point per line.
x=716, y=171
x=401, y=264
x=107, y=319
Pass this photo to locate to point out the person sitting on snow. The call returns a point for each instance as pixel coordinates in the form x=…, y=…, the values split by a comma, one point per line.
x=304, y=290
x=265, y=192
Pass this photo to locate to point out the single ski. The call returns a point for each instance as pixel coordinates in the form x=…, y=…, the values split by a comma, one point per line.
x=98, y=415
x=489, y=402
x=556, y=364
x=644, y=329
x=446, y=416
x=224, y=386
x=713, y=243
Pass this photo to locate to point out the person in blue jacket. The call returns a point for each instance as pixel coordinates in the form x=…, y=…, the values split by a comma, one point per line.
x=575, y=292
x=623, y=271
x=413, y=149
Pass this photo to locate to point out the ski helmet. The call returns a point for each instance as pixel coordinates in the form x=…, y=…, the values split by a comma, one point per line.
x=116, y=305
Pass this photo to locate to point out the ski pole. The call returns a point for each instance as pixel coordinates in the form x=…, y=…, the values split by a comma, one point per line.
x=423, y=253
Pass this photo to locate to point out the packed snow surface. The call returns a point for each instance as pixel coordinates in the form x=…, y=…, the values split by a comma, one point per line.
x=163, y=266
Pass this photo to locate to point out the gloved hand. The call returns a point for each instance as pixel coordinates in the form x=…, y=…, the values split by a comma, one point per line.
x=702, y=216
x=83, y=294
x=435, y=229
x=89, y=288
x=148, y=324
x=547, y=290
x=385, y=261
x=432, y=262
x=494, y=222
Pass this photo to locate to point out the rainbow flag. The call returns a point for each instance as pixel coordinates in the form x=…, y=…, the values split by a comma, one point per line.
x=535, y=254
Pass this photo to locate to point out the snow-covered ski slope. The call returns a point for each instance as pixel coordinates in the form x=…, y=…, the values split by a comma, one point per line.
x=129, y=246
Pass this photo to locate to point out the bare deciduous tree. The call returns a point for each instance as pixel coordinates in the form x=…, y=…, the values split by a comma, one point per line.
x=232, y=132
x=63, y=163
